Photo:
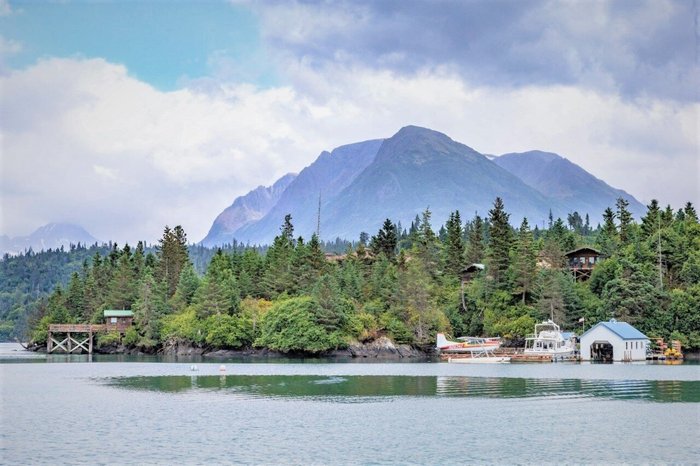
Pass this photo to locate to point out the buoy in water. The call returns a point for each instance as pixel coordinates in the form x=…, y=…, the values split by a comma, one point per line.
x=222, y=368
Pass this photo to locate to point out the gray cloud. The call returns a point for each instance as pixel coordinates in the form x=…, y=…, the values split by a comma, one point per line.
x=634, y=48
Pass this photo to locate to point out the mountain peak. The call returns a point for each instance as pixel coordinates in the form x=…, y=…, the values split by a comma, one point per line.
x=49, y=236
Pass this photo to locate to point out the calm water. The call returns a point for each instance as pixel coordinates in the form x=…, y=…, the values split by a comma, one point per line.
x=109, y=411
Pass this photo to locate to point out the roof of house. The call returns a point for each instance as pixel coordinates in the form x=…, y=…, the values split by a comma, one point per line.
x=621, y=329
x=118, y=313
x=584, y=248
x=473, y=268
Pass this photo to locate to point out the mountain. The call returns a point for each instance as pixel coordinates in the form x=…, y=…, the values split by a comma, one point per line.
x=364, y=183
x=327, y=176
x=244, y=210
x=418, y=168
x=573, y=187
x=51, y=236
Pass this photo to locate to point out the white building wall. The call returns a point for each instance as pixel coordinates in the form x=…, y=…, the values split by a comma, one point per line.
x=634, y=349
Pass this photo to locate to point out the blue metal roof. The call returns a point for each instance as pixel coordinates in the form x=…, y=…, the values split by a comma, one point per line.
x=621, y=329
x=567, y=335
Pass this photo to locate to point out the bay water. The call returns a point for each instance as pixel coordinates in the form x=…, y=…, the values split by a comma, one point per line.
x=146, y=410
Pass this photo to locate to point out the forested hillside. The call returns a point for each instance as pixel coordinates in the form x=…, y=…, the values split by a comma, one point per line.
x=401, y=283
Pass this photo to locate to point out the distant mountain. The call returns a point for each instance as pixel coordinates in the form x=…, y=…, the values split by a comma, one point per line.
x=244, y=210
x=418, y=168
x=362, y=184
x=573, y=187
x=51, y=236
x=327, y=176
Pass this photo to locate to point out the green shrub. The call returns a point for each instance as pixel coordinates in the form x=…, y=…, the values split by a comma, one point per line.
x=224, y=331
x=291, y=325
x=131, y=337
x=110, y=338
x=184, y=326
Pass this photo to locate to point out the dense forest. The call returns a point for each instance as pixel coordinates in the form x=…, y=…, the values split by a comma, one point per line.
x=404, y=283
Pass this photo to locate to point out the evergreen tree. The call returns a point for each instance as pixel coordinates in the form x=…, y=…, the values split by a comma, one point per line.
x=454, y=245
x=608, y=238
x=525, y=262
x=172, y=257
x=385, y=241
x=499, y=245
x=218, y=292
x=474, y=253
x=690, y=213
x=427, y=246
x=624, y=216
x=651, y=222
x=186, y=288
x=149, y=309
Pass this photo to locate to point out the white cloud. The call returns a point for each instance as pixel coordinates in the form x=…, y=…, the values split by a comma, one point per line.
x=83, y=141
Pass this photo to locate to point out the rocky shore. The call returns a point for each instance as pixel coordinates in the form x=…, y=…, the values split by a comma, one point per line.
x=380, y=349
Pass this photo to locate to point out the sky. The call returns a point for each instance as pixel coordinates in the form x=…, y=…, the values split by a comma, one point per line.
x=124, y=117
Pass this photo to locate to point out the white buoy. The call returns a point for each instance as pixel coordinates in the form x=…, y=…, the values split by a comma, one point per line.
x=222, y=368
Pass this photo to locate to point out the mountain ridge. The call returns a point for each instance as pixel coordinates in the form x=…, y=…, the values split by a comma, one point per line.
x=363, y=183
x=49, y=236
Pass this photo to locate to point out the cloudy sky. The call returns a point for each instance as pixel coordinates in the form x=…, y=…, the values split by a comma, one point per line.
x=127, y=116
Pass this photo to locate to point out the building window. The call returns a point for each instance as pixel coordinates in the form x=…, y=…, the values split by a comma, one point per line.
x=113, y=320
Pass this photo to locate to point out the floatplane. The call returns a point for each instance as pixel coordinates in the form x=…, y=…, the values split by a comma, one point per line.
x=471, y=349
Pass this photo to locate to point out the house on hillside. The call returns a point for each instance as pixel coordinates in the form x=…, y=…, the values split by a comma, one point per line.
x=470, y=272
x=581, y=261
x=613, y=341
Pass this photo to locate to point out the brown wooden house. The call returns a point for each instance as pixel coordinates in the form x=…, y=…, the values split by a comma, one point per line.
x=118, y=320
x=581, y=261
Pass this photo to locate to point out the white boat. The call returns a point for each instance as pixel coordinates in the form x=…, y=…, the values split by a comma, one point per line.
x=467, y=344
x=549, y=340
x=485, y=358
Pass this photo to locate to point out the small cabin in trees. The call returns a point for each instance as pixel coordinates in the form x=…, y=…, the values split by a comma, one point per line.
x=118, y=320
x=581, y=261
x=471, y=271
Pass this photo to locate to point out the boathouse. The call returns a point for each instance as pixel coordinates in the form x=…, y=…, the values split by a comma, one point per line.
x=581, y=261
x=613, y=341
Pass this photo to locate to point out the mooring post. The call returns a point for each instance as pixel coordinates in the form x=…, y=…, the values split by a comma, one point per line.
x=49, y=343
x=70, y=344
x=90, y=341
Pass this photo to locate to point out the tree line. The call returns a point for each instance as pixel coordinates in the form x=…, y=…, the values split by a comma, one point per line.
x=405, y=283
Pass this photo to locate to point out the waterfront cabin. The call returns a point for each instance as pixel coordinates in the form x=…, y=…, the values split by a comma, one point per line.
x=470, y=272
x=613, y=341
x=581, y=261
x=118, y=320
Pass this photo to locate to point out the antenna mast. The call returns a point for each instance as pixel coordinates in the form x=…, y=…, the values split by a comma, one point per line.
x=318, y=218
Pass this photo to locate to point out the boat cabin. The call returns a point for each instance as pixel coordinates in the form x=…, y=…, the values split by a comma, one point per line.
x=581, y=261
x=613, y=341
x=118, y=320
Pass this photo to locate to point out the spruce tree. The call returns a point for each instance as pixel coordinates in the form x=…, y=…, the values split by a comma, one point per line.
x=474, y=252
x=525, y=262
x=499, y=244
x=172, y=257
x=454, y=245
x=624, y=216
x=385, y=241
x=651, y=220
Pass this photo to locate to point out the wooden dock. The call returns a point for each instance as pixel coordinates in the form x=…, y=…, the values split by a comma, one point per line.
x=77, y=337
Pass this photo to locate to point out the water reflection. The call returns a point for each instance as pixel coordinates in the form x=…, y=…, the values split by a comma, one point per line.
x=336, y=387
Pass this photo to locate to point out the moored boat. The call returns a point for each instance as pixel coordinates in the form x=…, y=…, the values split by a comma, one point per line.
x=549, y=343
